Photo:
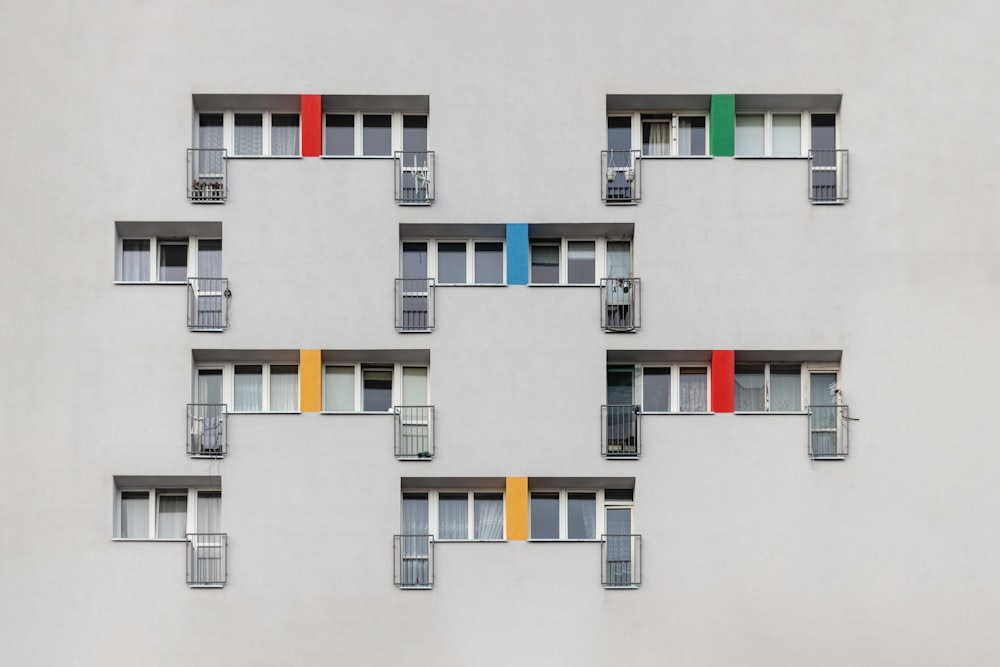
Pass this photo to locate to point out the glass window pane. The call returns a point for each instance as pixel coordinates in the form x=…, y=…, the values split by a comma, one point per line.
x=489, y=516
x=489, y=263
x=451, y=262
x=249, y=134
x=135, y=260
x=656, y=389
x=338, y=394
x=248, y=388
x=824, y=131
x=376, y=389
x=544, y=516
x=749, y=134
x=284, y=388
x=284, y=134
x=619, y=133
x=134, y=519
x=173, y=262
x=415, y=133
x=414, y=515
x=749, y=387
x=786, y=135
x=655, y=135
x=693, y=390
x=209, y=519
x=823, y=388
x=210, y=130
x=453, y=516
x=414, y=385
x=210, y=386
x=786, y=388
x=544, y=263
x=581, y=519
x=210, y=259
x=414, y=261
x=691, y=135
x=339, y=136
x=580, y=264
x=377, y=134
x=171, y=519
x=619, y=258
x=620, y=385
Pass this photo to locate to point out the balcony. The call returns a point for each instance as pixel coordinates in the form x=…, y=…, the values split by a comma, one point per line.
x=414, y=432
x=620, y=176
x=620, y=304
x=828, y=176
x=208, y=304
x=621, y=561
x=620, y=431
x=413, y=561
x=206, y=560
x=415, y=304
x=828, y=432
x=206, y=175
x=206, y=427
x=414, y=177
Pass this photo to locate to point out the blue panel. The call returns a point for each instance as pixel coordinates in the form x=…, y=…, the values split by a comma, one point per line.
x=517, y=254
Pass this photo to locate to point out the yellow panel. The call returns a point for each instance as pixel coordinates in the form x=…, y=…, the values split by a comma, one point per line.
x=517, y=508
x=310, y=381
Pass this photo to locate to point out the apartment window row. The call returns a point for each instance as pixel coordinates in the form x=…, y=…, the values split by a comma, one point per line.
x=568, y=261
x=454, y=261
x=579, y=514
x=166, y=513
x=248, y=387
x=375, y=387
x=659, y=387
x=250, y=133
x=683, y=134
x=454, y=514
x=168, y=259
x=785, y=387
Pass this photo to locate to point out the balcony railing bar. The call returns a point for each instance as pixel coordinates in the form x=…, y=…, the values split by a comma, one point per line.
x=828, y=432
x=206, y=175
x=207, y=560
x=828, y=176
x=208, y=304
x=621, y=176
x=620, y=431
x=414, y=304
x=413, y=561
x=621, y=561
x=620, y=304
x=414, y=432
x=414, y=177
x=207, y=432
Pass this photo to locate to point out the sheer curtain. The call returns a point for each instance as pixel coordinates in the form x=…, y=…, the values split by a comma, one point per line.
x=453, y=516
x=786, y=388
x=284, y=134
x=284, y=389
x=659, y=139
x=694, y=390
x=249, y=134
x=749, y=134
x=134, y=514
x=209, y=519
x=489, y=516
x=248, y=388
x=171, y=517
x=135, y=260
x=581, y=516
x=749, y=388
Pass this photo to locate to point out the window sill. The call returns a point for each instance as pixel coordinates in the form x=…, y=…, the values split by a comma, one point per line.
x=173, y=540
x=263, y=157
x=756, y=412
x=674, y=414
x=470, y=285
x=677, y=157
x=382, y=413
x=771, y=157
x=563, y=285
x=356, y=157
x=440, y=541
x=566, y=541
x=265, y=412
x=149, y=282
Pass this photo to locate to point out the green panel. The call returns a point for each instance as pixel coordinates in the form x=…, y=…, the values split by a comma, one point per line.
x=723, y=122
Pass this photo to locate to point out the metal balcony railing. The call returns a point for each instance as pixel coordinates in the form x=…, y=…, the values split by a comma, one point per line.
x=206, y=175
x=620, y=431
x=828, y=177
x=207, y=564
x=414, y=304
x=828, y=432
x=206, y=427
x=620, y=304
x=414, y=177
x=621, y=561
x=620, y=176
x=414, y=432
x=413, y=561
x=208, y=304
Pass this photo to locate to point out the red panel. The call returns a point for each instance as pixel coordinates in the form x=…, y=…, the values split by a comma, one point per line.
x=312, y=126
x=723, y=380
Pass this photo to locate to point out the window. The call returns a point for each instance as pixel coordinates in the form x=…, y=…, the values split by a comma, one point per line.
x=454, y=261
x=249, y=387
x=250, y=133
x=659, y=387
x=376, y=387
x=168, y=259
x=783, y=387
x=569, y=514
x=659, y=134
x=162, y=513
x=784, y=133
x=373, y=134
x=578, y=261
x=455, y=515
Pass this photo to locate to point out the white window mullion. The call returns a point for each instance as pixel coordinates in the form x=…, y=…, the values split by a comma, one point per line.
x=359, y=119
x=563, y=514
x=358, y=388
x=229, y=130
x=806, y=132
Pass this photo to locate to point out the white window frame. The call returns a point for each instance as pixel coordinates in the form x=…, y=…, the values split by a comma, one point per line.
x=153, y=495
x=638, y=380
x=397, y=384
x=600, y=258
x=675, y=118
x=805, y=370
x=805, y=130
x=600, y=508
x=470, y=258
x=229, y=130
x=155, y=244
x=395, y=130
x=229, y=384
x=434, y=515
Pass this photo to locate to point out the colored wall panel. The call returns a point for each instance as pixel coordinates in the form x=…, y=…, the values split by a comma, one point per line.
x=723, y=380
x=310, y=381
x=722, y=119
x=517, y=508
x=517, y=254
x=312, y=125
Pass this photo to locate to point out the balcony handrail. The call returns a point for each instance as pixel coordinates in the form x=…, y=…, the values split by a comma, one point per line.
x=207, y=559
x=207, y=430
x=621, y=560
x=413, y=561
x=828, y=431
x=208, y=304
x=828, y=176
x=414, y=304
x=621, y=304
x=414, y=177
x=206, y=175
x=621, y=176
x=621, y=431
x=414, y=432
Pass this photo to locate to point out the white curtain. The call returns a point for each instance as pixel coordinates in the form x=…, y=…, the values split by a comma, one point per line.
x=171, y=517
x=659, y=139
x=135, y=260
x=284, y=388
x=693, y=390
x=249, y=134
x=453, y=516
x=209, y=519
x=134, y=514
x=284, y=134
x=488, y=511
x=786, y=389
x=786, y=135
x=248, y=387
x=749, y=388
x=750, y=134
x=582, y=516
x=210, y=258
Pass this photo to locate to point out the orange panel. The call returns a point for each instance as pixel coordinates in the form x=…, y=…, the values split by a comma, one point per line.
x=310, y=381
x=517, y=508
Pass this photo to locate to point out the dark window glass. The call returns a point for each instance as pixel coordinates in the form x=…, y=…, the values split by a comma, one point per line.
x=377, y=390
x=489, y=262
x=173, y=262
x=339, y=136
x=581, y=516
x=656, y=389
x=377, y=134
x=545, y=516
x=545, y=263
x=451, y=262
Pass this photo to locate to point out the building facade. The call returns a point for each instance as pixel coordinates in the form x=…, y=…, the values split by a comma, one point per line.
x=524, y=333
